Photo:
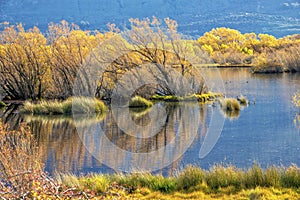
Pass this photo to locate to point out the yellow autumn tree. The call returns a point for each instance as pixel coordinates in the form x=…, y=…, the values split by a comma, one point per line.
x=227, y=46
x=69, y=48
x=24, y=69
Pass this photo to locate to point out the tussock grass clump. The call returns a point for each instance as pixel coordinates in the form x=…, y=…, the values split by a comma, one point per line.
x=76, y=105
x=98, y=183
x=229, y=104
x=222, y=177
x=190, y=178
x=2, y=104
x=291, y=177
x=139, y=102
x=166, y=98
x=243, y=100
x=146, y=180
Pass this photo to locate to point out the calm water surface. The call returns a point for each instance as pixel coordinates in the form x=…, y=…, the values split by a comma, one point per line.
x=172, y=135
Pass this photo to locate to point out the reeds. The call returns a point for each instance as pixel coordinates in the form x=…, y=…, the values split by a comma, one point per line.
x=75, y=105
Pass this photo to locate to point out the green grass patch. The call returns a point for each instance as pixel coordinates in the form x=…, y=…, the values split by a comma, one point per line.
x=139, y=102
x=75, y=105
x=194, y=97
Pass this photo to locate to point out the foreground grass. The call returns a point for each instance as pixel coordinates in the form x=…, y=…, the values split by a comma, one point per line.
x=75, y=105
x=257, y=193
x=194, y=183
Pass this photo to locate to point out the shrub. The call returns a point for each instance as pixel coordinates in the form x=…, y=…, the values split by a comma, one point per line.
x=138, y=101
x=290, y=57
x=267, y=62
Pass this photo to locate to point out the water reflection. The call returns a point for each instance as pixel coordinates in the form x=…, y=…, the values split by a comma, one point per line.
x=231, y=114
x=71, y=143
x=125, y=143
x=297, y=121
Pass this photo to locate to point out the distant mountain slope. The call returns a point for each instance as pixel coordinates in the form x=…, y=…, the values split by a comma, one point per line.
x=277, y=17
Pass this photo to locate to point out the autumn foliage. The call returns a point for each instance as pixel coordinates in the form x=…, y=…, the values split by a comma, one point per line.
x=263, y=51
x=36, y=65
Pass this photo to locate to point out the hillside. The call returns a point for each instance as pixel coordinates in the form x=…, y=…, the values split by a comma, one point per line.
x=276, y=17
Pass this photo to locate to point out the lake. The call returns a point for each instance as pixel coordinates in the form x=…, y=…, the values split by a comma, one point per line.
x=169, y=136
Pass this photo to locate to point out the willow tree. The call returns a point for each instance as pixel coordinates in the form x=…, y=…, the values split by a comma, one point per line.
x=69, y=47
x=24, y=69
x=152, y=54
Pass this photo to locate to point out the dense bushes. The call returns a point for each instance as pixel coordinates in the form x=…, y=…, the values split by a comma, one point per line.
x=266, y=53
x=283, y=59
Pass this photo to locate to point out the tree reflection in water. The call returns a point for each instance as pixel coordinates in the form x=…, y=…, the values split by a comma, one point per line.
x=68, y=144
